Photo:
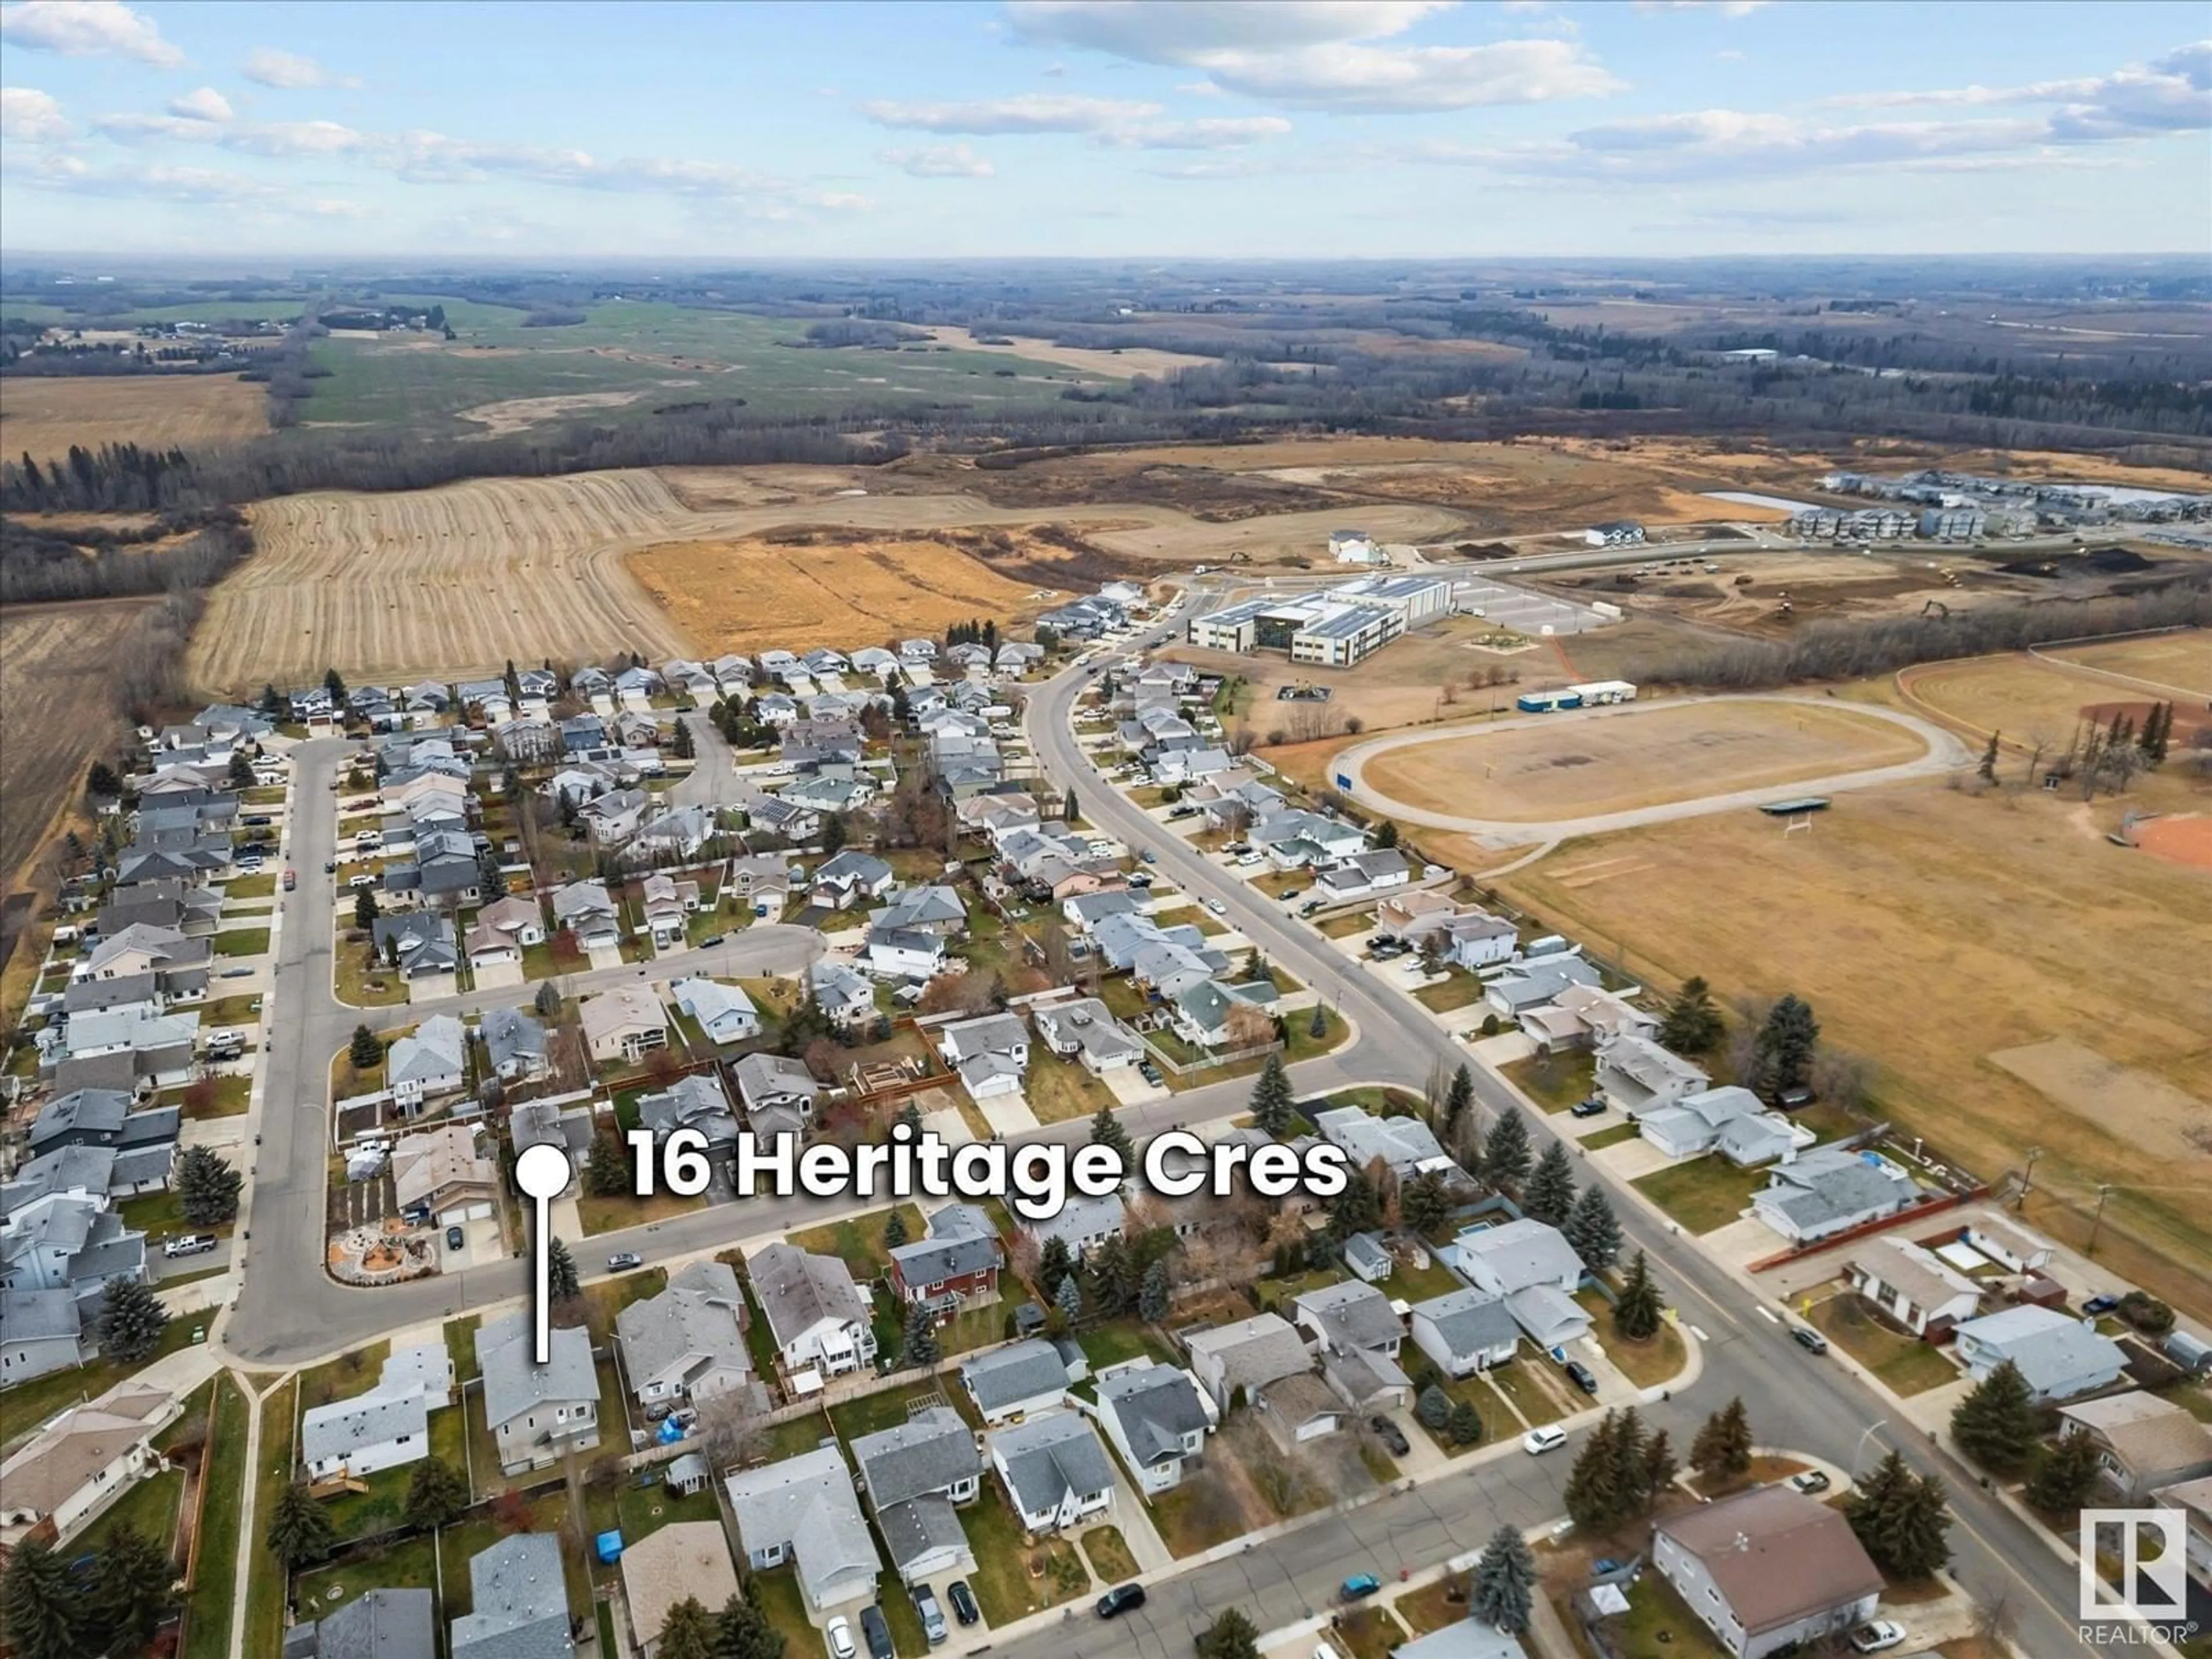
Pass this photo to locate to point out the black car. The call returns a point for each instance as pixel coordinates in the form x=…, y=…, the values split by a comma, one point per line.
x=329, y=867
x=1389, y=1434
x=963, y=1601
x=1119, y=1600
x=875, y=1633
x=1582, y=1376
x=1808, y=1339
x=712, y=940
x=1590, y=1108
x=455, y=1238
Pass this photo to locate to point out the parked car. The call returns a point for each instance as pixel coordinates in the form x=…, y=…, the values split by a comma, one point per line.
x=1149, y=1072
x=1581, y=1376
x=1309, y=907
x=455, y=1238
x=2099, y=1304
x=329, y=867
x=190, y=1244
x=712, y=940
x=963, y=1601
x=234, y=973
x=1537, y=1441
x=1216, y=907
x=1359, y=1586
x=364, y=879
x=1121, y=1600
x=1810, y=1481
x=878, y=1634
x=623, y=1260
x=1808, y=1339
x=933, y=1616
x=252, y=818
x=839, y=1633
x=1590, y=1108
x=1873, y=1639
x=1390, y=1435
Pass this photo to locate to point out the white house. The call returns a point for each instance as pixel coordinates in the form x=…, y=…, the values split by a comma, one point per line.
x=818, y=1317
x=1913, y=1285
x=990, y=1054
x=1768, y=1569
x=1465, y=1331
x=723, y=1011
x=1055, y=1472
x=386, y=1427
x=1157, y=1418
x=803, y=1511
x=84, y=1460
x=1021, y=1379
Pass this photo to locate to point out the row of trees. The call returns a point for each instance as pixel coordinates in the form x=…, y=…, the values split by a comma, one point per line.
x=49, y=1611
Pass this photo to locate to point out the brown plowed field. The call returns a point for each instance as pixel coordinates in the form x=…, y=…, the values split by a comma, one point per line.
x=45, y=414
x=54, y=714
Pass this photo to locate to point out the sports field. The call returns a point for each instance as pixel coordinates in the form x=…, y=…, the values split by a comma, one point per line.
x=1581, y=764
x=2044, y=697
x=43, y=416
x=1934, y=930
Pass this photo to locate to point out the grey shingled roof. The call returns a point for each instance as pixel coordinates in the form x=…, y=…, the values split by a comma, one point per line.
x=1470, y=1322
x=797, y=1290
x=1354, y=1314
x=931, y=1261
x=1522, y=1253
x=806, y=1502
x=698, y=1314
x=2048, y=1348
x=930, y=1452
x=1157, y=1406
x=1047, y=1458
x=513, y=1385
x=1021, y=1371
x=379, y=1623
x=1254, y=1351
x=520, y=1602
x=347, y=1426
x=920, y=1528
x=37, y=1316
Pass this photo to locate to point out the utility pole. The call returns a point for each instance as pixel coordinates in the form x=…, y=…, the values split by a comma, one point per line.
x=2104, y=1192
x=2027, y=1178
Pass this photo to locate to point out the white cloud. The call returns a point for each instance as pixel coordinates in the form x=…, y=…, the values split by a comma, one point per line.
x=2171, y=93
x=30, y=115
x=205, y=105
x=1028, y=112
x=1223, y=133
x=938, y=162
x=286, y=71
x=88, y=28
x=276, y=138
x=1724, y=7
x=1315, y=54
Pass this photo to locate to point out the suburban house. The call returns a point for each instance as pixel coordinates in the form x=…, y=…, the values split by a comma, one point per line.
x=1406, y=1145
x=990, y=1054
x=803, y=1511
x=1351, y=1317
x=1531, y=1264
x=440, y=1175
x=1083, y=1223
x=382, y=1624
x=2192, y=1500
x=1585, y=1016
x=695, y=1102
x=519, y=1599
x=1244, y=1358
x=1635, y=1075
x=957, y=1263
x=73, y=1241
x=761, y=882
x=1913, y=1285
x=2058, y=1356
x=2008, y=1244
x=818, y=1317
x=2143, y=1443
x=1158, y=1419
x=384, y=1428
x=688, y=1342
x=1211, y=1013
x=1469, y=1638
x=1732, y=1122
x=841, y=993
x=778, y=1093
x=38, y=1334
x=667, y=906
x=1018, y=1380
x=934, y=909
x=429, y=1063
x=623, y=1022
x=515, y=1045
x=1297, y=1409
x=80, y=1463
x=724, y=1011
x=1465, y=1331
x=1362, y=873
x=908, y=953
x=537, y=1413
x=1767, y=1569
x=584, y=908
x=915, y=1473
x=1055, y=1471
x=1535, y=981
x=846, y=878
x=683, y=1559
x=1829, y=1190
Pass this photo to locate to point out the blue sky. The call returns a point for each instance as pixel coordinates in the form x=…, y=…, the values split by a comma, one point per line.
x=1313, y=128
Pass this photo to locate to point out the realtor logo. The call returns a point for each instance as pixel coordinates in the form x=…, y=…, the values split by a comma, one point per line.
x=2153, y=1581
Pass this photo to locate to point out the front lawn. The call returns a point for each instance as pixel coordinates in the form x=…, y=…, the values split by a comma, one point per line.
x=161, y=1213
x=1370, y=1632
x=1012, y=1581
x=1648, y=1364
x=1344, y=926
x=24, y=1406
x=1058, y=1090
x=1530, y=1393
x=1905, y=1364
x=1457, y=990
x=1498, y=1422
x=858, y=1241
x=1611, y=1137
x=1703, y=1194
x=232, y=1011
x=1555, y=1082
x=246, y=887
x=1108, y=1553
x=242, y=942
x=362, y=982
x=607, y=1214
x=1190, y=916
x=217, y=1097
x=781, y=1599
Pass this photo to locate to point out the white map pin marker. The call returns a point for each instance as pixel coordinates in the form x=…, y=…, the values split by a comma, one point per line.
x=541, y=1172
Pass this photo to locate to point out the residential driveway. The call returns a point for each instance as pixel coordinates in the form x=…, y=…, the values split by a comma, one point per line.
x=433, y=988
x=1613, y=1387
x=1631, y=1158
x=605, y=956
x=1008, y=1114
x=1748, y=1239
x=480, y=1246
x=1502, y=1049
x=1127, y=1086
x=500, y=976
x=1138, y=1531
x=950, y=1127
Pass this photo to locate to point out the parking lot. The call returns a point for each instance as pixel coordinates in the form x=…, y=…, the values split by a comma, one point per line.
x=1523, y=611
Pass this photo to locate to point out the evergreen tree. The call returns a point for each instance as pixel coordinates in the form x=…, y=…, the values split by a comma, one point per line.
x=1425, y=1203
x=1272, y=1103
x=1781, y=1055
x=364, y=909
x=1636, y=1316
x=683, y=746
x=1113, y=1276
x=1152, y=1298
x=436, y=1493
x=39, y=1606
x=1693, y=1025
x=1592, y=1493
x=300, y=1531
x=560, y=1280
x=547, y=1003
x=1901, y=1519
x=1995, y=1424
x=1499, y=1590
x=1458, y=1097
x=129, y=1594
x=1505, y=1155
x=919, y=1345
x=1069, y=1296
x=1357, y=1208
x=1318, y=1027
x=2066, y=1476
x=1987, y=771
x=606, y=1169
x=895, y=1230
x=101, y=780
x=1387, y=835
x=1659, y=1467
x=131, y=1323
x=742, y=1630
x=1465, y=1426
x=1232, y=1635
x=1054, y=1263
x=2158, y=732
x=1433, y=1407
x=1106, y=1130
x=365, y=1051
x=334, y=685
x=1592, y=1229
x=1722, y=1448
x=1067, y=810
x=687, y=1631
x=1631, y=1465
x=1550, y=1196
x=206, y=1187
x=239, y=775
x=910, y=1114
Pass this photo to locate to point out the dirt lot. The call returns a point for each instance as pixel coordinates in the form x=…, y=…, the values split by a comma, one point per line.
x=1932, y=928
x=45, y=414
x=1581, y=766
x=54, y=714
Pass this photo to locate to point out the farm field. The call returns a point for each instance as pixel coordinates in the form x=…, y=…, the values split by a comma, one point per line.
x=44, y=414
x=1581, y=764
x=1933, y=929
x=1120, y=364
x=54, y=714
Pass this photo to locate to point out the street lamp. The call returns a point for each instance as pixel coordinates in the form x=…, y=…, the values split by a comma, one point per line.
x=1871, y=1428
